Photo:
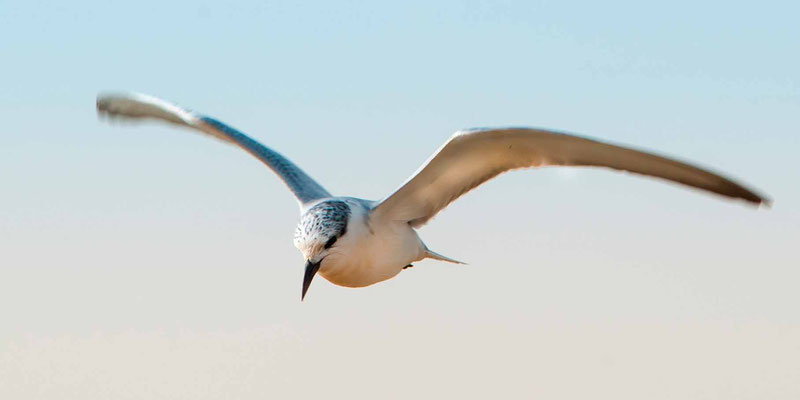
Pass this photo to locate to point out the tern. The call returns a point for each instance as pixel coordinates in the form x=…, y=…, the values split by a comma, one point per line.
x=355, y=242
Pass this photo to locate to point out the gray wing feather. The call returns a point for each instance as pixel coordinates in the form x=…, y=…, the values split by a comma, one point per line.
x=472, y=157
x=137, y=106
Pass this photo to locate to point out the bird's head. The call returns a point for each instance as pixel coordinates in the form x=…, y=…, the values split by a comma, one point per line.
x=316, y=234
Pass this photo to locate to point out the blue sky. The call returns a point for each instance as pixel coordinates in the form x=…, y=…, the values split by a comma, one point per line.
x=128, y=245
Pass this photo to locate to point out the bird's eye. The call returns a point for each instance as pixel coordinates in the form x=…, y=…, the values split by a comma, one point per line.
x=330, y=242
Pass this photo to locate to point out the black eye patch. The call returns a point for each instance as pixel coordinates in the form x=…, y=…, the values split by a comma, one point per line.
x=330, y=242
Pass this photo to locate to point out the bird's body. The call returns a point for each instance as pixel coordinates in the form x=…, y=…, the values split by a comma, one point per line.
x=364, y=254
x=354, y=242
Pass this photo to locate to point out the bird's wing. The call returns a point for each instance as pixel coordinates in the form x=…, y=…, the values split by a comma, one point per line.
x=472, y=157
x=139, y=106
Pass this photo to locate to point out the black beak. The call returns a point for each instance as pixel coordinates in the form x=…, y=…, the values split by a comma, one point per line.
x=311, y=270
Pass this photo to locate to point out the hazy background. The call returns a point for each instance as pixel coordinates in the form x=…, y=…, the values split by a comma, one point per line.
x=149, y=262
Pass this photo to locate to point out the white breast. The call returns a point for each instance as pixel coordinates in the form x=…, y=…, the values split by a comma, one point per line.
x=370, y=253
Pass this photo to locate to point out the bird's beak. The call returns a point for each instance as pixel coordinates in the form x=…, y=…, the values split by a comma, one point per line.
x=311, y=270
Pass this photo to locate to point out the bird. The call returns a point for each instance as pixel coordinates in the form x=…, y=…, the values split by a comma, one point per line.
x=354, y=242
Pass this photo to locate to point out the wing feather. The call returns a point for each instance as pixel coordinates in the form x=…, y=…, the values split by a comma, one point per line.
x=472, y=157
x=139, y=106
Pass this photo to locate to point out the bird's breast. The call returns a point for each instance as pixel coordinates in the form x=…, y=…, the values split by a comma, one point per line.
x=368, y=255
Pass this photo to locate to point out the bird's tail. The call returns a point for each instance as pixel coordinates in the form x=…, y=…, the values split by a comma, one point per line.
x=436, y=256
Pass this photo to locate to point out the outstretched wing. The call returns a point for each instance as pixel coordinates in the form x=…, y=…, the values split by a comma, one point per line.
x=139, y=106
x=472, y=157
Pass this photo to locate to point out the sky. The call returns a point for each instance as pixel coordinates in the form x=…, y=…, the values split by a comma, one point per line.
x=146, y=261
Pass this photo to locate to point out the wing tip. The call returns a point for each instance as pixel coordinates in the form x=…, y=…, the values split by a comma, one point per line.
x=764, y=202
x=103, y=102
x=133, y=105
x=106, y=100
x=752, y=197
x=104, y=106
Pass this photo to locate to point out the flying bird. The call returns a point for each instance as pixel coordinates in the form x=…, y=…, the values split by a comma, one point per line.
x=355, y=242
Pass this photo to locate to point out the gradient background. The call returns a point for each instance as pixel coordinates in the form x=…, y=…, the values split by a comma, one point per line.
x=148, y=262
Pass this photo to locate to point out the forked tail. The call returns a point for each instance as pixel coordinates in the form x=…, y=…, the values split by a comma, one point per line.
x=436, y=256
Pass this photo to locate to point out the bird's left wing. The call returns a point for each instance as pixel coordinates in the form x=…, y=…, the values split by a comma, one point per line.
x=472, y=157
x=139, y=106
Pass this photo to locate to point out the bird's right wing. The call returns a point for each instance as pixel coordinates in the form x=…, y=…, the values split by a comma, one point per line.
x=471, y=158
x=139, y=106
